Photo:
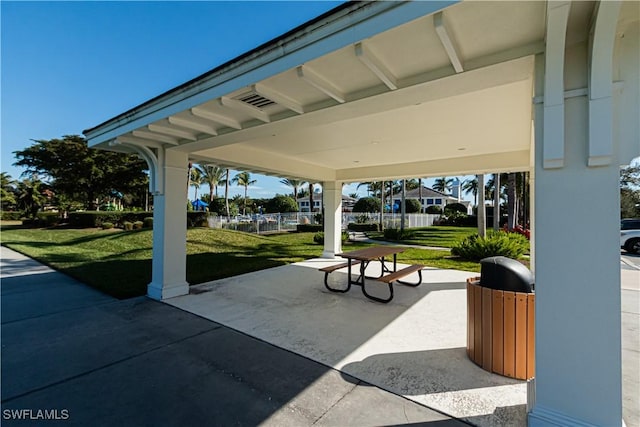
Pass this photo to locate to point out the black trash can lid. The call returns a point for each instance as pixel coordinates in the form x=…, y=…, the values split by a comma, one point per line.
x=505, y=274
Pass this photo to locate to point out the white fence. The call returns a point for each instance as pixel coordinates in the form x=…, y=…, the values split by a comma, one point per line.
x=278, y=222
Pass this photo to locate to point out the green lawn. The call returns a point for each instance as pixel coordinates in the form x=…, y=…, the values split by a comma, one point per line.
x=119, y=262
x=440, y=236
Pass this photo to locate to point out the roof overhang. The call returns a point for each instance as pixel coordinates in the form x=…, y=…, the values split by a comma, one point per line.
x=367, y=91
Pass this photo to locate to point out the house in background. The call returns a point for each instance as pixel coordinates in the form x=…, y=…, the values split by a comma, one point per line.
x=303, y=203
x=431, y=197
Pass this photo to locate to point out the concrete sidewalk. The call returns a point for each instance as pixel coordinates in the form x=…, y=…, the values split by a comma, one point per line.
x=81, y=355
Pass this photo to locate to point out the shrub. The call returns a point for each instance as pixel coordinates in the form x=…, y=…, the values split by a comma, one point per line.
x=127, y=225
x=137, y=225
x=11, y=216
x=433, y=209
x=367, y=204
x=363, y=227
x=147, y=222
x=475, y=248
x=306, y=228
x=197, y=219
x=412, y=206
x=106, y=225
x=48, y=219
x=319, y=237
x=455, y=207
x=281, y=204
x=91, y=219
x=398, y=234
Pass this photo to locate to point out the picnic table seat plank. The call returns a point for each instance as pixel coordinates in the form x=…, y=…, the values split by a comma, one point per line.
x=397, y=275
x=331, y=269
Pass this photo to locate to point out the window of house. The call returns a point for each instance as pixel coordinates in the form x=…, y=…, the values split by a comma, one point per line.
x=429, y=201
x=438, y=201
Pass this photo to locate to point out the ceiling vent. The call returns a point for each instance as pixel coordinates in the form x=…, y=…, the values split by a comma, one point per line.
x=255, y=100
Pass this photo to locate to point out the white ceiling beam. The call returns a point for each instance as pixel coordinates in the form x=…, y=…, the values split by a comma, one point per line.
x=216, y=117
x=448, y=42
x=193, y=125
x=278, y=97
x=376, y=66
x=128, y=139
x=254, y=112
x=167, y=130
x=155, y=137
x=320, y=83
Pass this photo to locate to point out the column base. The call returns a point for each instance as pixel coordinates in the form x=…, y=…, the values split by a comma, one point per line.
x=540, y=417
x=159, y=292
x=329, y=255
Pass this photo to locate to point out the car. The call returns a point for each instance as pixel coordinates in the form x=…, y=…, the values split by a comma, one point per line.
x=630, y=241
x=630, y=224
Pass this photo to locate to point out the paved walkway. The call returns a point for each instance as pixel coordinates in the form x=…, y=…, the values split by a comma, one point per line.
x=82, y=355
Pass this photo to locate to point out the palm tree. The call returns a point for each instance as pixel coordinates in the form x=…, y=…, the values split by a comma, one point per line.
x=294, y=183
x=212, y=176
x=511, y=201
x=482, y=224
x=243, y=179
x=420, y=195
x=443, y=184
x=195, y=180
x=471, y=186
x=226, y=191
x=7, y=188
x=30, y=196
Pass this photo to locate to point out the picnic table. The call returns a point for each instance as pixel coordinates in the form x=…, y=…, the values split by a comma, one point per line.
x=363, y=257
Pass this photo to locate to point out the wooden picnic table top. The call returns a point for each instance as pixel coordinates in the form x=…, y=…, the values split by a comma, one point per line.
x=372, y=252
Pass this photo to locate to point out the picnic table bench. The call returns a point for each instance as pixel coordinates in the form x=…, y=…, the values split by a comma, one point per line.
x=363, y=257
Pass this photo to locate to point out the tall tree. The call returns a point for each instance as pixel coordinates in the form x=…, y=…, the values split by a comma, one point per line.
x=227, y=180
x=212, y=176
x=8, y=192
x=630, y=191
x=511, y=201
x=30, y=198
x=79, y=173
x=482, y=222
x=471, y=186
x=443, y=184
x=243, y=179
x=195, y=180
x=293, y=183
x=420, y=195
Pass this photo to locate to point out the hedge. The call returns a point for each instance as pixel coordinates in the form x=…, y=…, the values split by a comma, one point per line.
x=363, y=227
x=306, y=228
x=11, y=216
x=48, y=219
x=95, y=219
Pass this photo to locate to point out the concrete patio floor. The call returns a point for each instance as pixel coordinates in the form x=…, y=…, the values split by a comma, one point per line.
x=414, y=346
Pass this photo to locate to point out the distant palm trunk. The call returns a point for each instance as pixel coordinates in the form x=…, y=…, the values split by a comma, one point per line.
x=382, y=207
x=482, y=222
x=226, y=193
x=420, y=194
x=496, y=201
x=511, y=201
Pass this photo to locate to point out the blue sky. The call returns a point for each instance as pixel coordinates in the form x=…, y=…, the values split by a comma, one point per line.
x=68, y=66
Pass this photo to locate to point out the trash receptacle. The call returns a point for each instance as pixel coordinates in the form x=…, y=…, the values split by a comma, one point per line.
x=501, y=319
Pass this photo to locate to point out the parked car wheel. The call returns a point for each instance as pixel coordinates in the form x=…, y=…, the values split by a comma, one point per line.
x=633, y=246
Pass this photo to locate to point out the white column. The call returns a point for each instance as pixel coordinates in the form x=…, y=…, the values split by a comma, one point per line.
x=577, y=268
x=332, y=194
x=169, y=271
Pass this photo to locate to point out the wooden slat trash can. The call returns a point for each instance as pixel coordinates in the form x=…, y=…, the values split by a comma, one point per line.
x=500, y=330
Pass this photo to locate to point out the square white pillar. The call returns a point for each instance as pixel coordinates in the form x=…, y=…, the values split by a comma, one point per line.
x=577, y=275
x=332, y=195
x=169, y=265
